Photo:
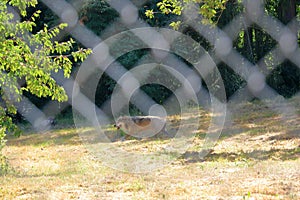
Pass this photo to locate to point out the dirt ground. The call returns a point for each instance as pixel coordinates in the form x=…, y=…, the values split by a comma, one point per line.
x=256, y=157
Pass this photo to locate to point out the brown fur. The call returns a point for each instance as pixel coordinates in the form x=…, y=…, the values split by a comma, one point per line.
x=141, y=126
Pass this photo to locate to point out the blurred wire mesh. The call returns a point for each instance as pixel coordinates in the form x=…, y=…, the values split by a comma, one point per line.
x=82, y=96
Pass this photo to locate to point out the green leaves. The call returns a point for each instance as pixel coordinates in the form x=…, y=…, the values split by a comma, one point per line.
x=149, y=13
x=22, y=5
x=32, y=58
x=175, y=25
x=170, y=6
x=167, y=7
x=208, y=9
x=81, y=54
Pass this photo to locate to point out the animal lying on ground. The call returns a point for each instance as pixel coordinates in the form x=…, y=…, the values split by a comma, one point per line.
x=142, y=126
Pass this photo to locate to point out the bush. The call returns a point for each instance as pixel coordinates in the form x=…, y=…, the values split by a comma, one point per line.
x=3, y=161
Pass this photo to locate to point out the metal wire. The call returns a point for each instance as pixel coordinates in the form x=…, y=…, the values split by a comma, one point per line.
x=163, y=44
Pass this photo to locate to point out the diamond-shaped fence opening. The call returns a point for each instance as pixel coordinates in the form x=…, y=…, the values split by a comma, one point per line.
x=185, y=60
x=262, y=45
x=284, y=79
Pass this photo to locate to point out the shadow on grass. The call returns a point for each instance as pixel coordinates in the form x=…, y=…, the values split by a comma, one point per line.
x=54, y=137
x=274, y=153
x=287, y=136
x=74, y=137
x=255, y=155
x=254, y=120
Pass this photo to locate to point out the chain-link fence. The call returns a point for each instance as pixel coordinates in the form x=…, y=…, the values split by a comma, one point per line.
x=166, y=46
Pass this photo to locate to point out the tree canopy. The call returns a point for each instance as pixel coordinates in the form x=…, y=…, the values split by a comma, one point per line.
x=28, y=60
x=208, y=9
x=43, y=55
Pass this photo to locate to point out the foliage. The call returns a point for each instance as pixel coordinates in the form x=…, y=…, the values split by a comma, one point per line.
x=47, y=16
x=208, y=9
x=31, y=59
x=285, y=79
x=97, y=15
x=233, y=82
x=253, y=42
x=154, y=17
x=163, y=84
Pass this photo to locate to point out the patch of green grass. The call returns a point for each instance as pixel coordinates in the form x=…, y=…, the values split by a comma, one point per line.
x=43, y=144
x=4, y=166
x=134, y=186
x=54, y=137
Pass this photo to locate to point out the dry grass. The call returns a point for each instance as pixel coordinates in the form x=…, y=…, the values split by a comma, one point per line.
x=257, y=157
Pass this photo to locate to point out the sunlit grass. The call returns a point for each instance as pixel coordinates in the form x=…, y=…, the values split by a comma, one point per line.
x=257, y=156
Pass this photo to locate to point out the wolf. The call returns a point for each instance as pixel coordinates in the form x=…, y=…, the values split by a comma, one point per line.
x=142, y=126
